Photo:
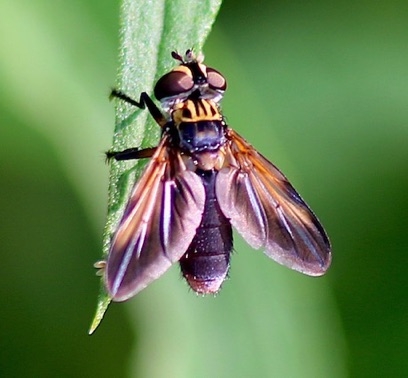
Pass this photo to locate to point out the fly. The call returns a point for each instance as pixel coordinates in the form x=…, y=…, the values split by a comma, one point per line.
x=202, y=179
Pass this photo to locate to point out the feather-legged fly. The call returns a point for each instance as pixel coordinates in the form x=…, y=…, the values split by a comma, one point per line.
x=202, y=179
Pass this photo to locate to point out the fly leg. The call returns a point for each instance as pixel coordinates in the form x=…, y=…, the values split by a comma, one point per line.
x=144, y=102
x=131, y=153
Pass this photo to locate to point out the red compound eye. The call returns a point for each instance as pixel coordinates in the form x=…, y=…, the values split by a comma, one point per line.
x=215, y=79
x=172, y=84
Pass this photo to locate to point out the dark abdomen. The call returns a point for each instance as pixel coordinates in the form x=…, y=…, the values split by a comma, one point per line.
x=205, y=264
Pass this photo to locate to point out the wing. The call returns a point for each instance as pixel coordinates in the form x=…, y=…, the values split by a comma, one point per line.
x=158, y=225
x=268, y=212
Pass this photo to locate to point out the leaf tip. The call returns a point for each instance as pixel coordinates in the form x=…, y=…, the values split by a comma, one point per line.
x=103, y=304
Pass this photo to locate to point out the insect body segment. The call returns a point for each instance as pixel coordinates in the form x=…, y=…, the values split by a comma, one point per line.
x=205, y=265
x=202, y=179
x=199, y=132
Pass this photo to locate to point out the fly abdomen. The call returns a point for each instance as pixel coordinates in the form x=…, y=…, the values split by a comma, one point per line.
x=205, y=264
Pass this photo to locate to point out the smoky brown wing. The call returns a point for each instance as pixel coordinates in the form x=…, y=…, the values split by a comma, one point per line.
x=268, y=212
x=158, y=225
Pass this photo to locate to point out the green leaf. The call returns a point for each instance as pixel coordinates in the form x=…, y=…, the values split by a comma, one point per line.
x=150, y=30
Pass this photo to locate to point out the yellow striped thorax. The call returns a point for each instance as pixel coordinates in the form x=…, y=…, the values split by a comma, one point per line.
x=196, y=110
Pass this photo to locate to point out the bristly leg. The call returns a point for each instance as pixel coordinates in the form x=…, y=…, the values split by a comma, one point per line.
x=144, y=101
x=130, y=153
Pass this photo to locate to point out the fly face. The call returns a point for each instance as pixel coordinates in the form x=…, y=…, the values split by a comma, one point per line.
x=202, y=179
x=190, y=78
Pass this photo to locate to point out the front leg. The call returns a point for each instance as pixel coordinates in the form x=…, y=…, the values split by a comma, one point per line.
x=144, y=101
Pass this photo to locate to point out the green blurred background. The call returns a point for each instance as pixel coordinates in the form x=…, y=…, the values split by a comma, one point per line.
x=321, y=88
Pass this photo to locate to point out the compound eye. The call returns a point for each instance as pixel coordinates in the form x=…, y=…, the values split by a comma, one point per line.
x=216, y=80
x=172, y=84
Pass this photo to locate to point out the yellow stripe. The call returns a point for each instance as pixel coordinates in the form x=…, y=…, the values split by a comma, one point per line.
x=195, y=111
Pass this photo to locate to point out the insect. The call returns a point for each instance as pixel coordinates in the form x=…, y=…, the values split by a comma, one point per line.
x=202, y=179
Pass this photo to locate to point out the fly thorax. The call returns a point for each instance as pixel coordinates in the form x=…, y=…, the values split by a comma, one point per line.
x=195, y=110
x=200, y=130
